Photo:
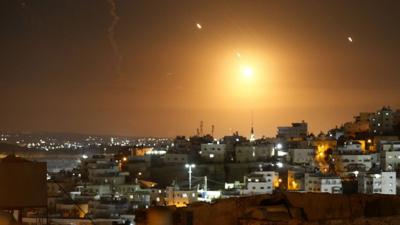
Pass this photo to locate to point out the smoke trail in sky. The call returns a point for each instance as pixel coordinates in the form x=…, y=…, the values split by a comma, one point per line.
x=111, y=34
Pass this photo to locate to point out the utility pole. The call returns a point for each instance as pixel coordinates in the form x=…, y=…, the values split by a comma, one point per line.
x=205, y=187
x=189, y=167
x=205, y=183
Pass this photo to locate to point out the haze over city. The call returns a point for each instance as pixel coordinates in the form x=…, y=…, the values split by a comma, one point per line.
x=213, y=112
x=149, y=69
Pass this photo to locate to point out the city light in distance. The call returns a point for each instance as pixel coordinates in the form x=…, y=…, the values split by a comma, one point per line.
x=350, y=39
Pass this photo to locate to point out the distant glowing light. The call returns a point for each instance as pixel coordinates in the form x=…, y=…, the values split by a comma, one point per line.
x=350, y=39
x=238, y=54
x=198, y=25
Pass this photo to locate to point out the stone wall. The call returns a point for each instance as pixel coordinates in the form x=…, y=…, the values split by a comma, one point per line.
x=302, y=208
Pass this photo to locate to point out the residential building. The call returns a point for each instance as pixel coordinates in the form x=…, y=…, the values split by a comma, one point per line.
x=72, y=209
x=385, y=145
x=302, y=156
x=126, y=189
x=352, y=146
x=382, y=122
x=377, y=183
x=322, y=183
x=181, y=144
x=175, y=158
x=390, y=160
x=109, y=207
x=295, y=180
x=360, y=124
x=253, y=153
x=95, y=189
x=213, y=152
x=105, y=172
x=294, y=132
x=261, y=182
x=352, y=157
x=180, y=198
x=352, y=161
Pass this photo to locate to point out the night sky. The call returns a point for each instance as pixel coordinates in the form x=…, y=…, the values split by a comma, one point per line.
x=61, y=72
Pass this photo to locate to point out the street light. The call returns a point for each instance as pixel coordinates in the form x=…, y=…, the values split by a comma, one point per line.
x=189, y=167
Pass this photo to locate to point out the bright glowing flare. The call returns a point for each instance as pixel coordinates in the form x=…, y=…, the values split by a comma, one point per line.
x=247, y=71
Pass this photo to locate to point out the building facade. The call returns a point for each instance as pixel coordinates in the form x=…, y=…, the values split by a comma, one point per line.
x=322, y=183
x=296, y=131
x=213, y=152
x=302, y=156
x=261, y=182
x=377, y=183
x=253, y=153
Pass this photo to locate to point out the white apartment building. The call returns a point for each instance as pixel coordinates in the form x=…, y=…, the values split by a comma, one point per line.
x=350, y=146
x=389, y=145
x=377, y=183
x=248, y=153
x=302, y=156
x=353, y=162
x=322, y=183
x=105, y=172
x=261, y=182
x=390, y=160
x=213, y=152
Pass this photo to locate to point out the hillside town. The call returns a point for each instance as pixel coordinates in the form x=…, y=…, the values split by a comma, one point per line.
x=361, y=156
